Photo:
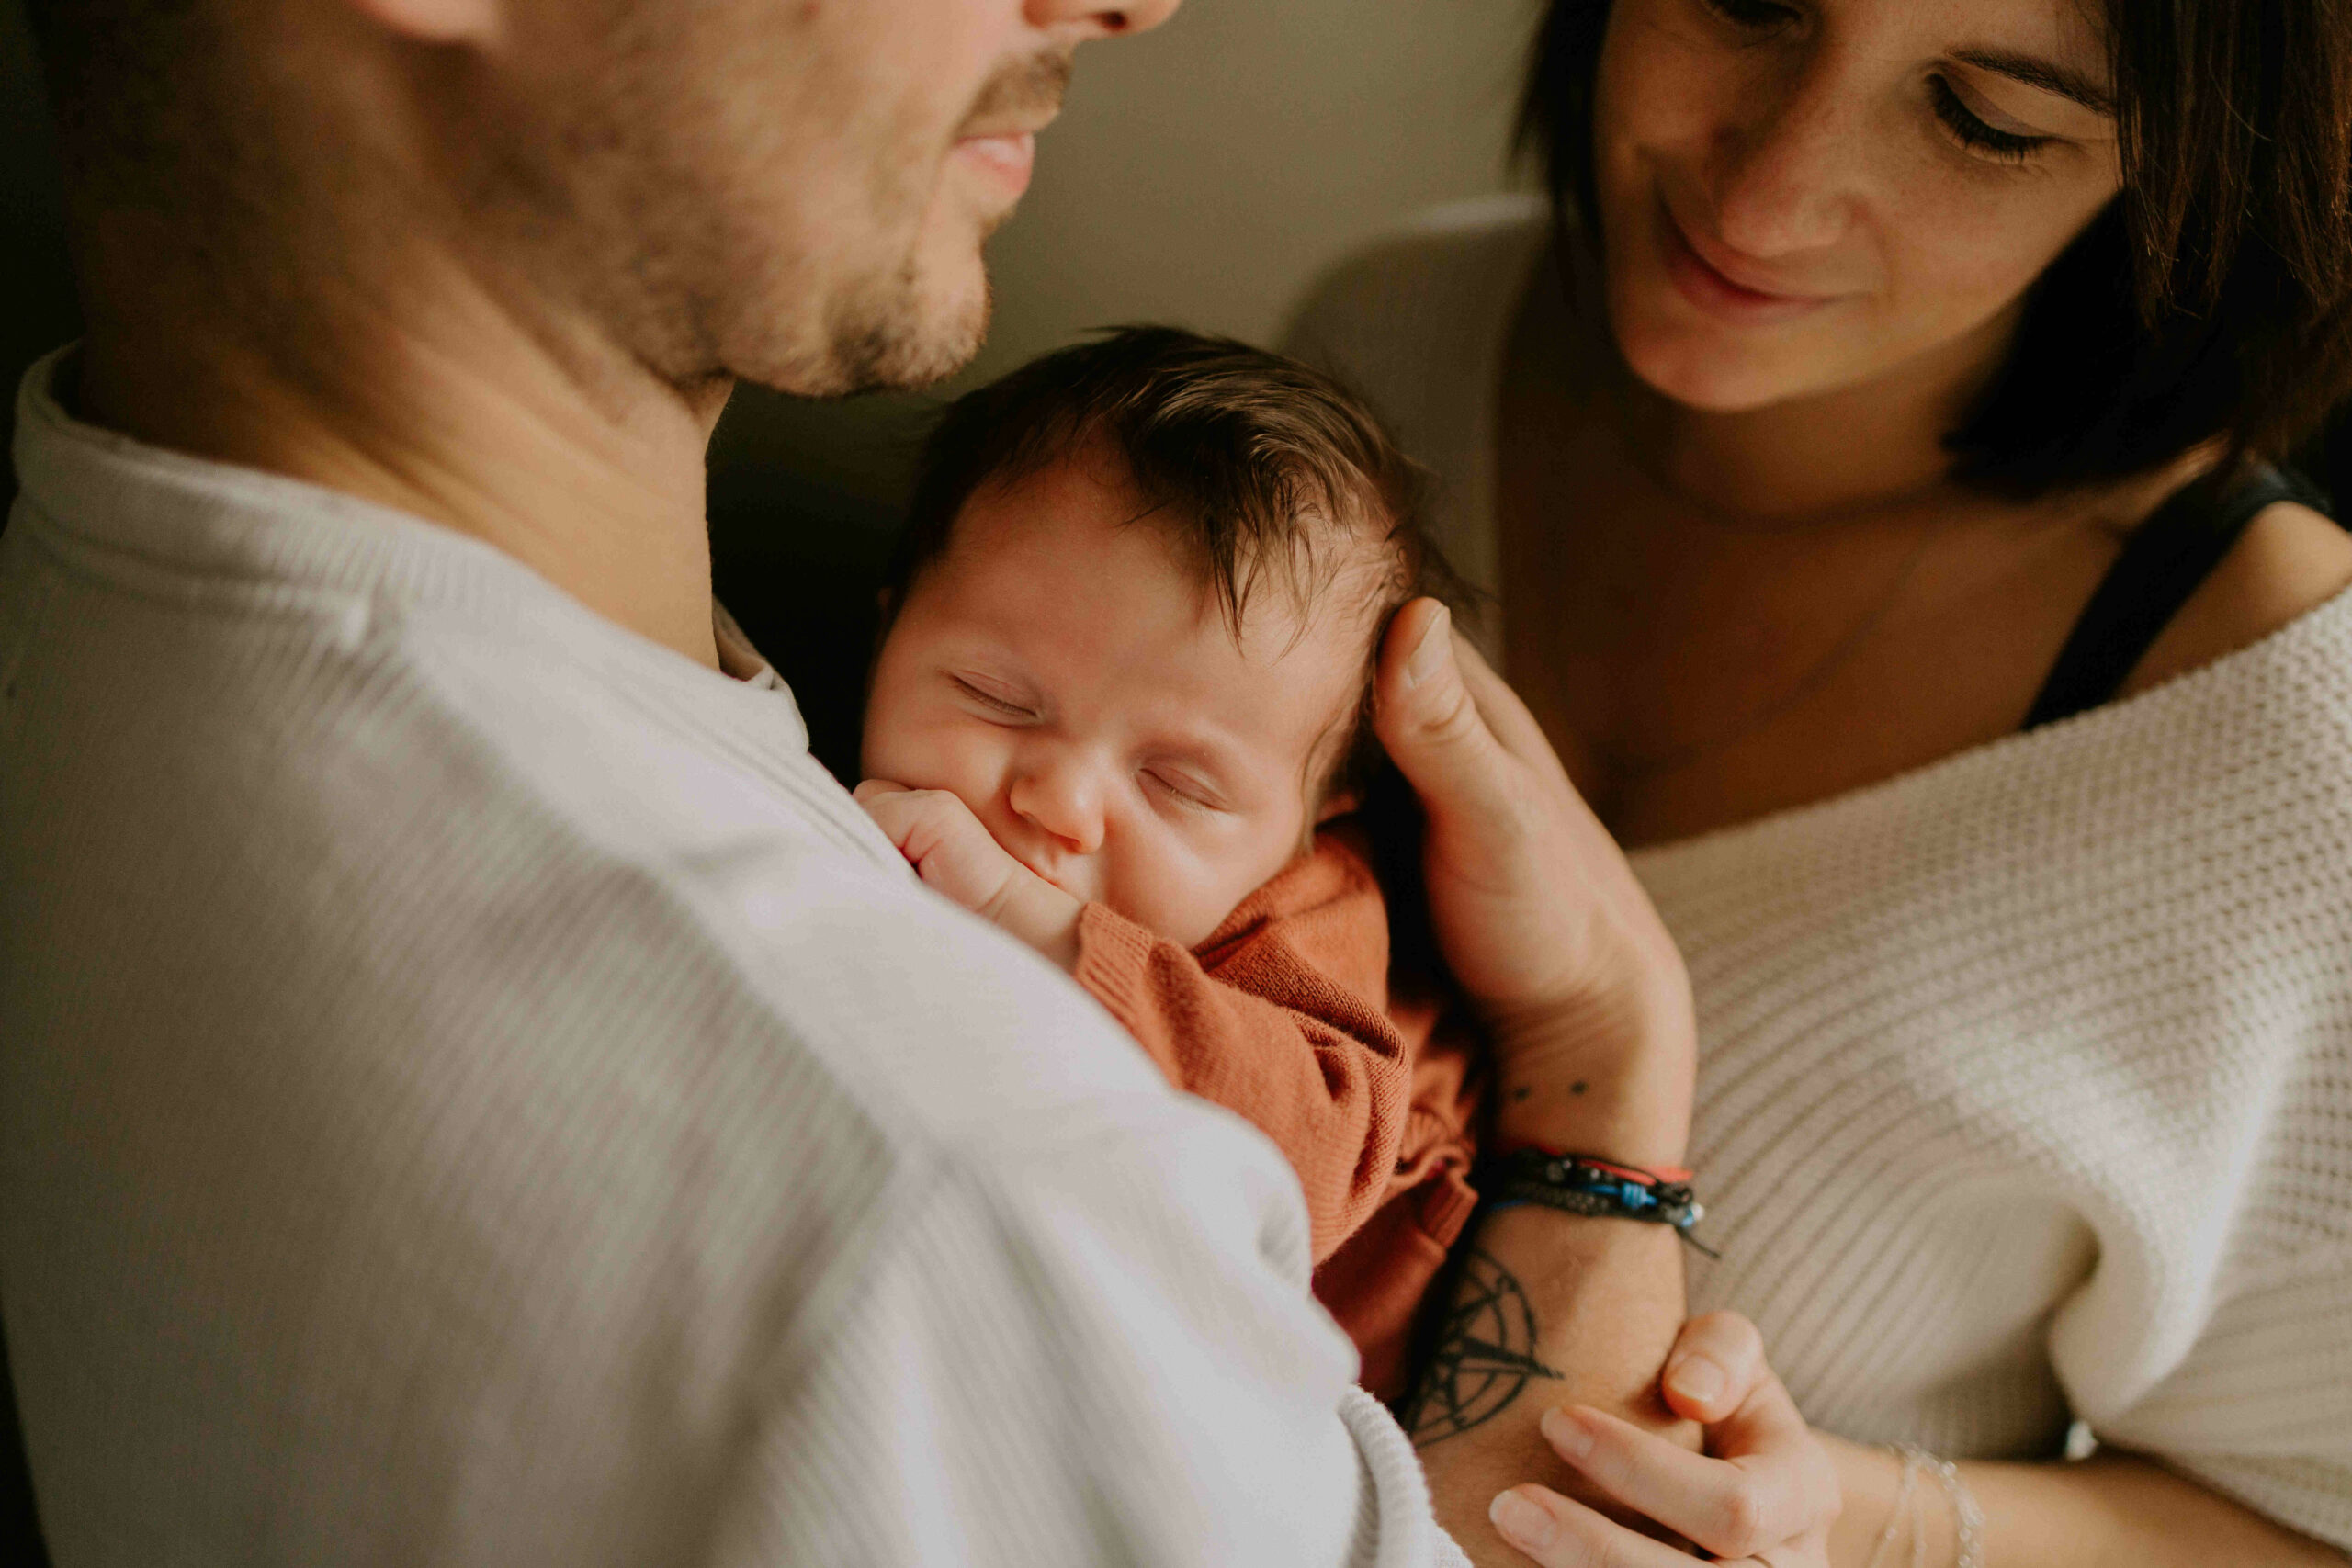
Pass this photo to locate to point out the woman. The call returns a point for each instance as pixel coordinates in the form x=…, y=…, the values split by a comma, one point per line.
x=1867, y=467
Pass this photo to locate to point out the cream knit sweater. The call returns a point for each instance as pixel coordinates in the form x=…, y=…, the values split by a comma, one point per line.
x=2026, y=1081
x=474, y=1090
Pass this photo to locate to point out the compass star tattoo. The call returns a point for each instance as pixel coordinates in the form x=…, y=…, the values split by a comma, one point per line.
x=1484, y=1355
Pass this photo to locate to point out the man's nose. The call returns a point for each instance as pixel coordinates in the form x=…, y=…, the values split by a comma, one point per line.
x=1062, y=797
x=1093, y=18
x=1785, y=172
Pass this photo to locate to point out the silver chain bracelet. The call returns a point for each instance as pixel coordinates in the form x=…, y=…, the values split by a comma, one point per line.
x=1968, y=1517
x=1896, y=1516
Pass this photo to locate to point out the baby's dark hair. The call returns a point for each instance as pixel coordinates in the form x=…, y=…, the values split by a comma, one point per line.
x=1256, y=466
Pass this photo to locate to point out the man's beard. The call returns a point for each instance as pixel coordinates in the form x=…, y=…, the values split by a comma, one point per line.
x=887, y=335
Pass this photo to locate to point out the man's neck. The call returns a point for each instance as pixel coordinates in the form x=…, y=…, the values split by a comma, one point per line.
x=420, y=393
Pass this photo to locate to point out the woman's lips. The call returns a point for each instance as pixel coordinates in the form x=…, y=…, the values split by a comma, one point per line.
x=1007, y=159
x=1706, y=287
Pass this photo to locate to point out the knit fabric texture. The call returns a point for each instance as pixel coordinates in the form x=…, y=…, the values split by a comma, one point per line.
x=2026, y=1078
x=1283, y=1014
x=475, y=1091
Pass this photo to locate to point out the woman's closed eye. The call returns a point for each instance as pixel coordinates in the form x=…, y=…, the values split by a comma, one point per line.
x=1973, y=132
x=1964, y=124
x=1753, y=16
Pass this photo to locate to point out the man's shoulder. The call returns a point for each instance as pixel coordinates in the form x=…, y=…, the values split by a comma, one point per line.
x=372, y=819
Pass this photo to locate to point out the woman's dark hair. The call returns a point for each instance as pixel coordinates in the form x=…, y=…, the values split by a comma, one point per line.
x=2212, y=297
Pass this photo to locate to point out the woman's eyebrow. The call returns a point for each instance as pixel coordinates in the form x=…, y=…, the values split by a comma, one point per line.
x=2043, y=74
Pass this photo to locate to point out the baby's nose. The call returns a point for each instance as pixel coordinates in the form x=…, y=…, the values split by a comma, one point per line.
x=1063, y=801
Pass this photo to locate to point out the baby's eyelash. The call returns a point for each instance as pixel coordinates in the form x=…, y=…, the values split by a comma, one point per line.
x=1972, y=132
x=989, y=700
x=1178, y=793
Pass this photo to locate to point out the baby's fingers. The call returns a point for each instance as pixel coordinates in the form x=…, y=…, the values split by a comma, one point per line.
x=923, y=822
x=896, y=811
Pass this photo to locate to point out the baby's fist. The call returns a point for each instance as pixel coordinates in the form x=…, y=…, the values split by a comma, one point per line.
x=957, y=856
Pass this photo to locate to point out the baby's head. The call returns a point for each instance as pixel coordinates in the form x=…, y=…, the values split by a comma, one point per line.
x=1133, y=620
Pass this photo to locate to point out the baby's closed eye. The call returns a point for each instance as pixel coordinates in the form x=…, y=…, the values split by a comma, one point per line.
x=1183, y=789
x=993, y=701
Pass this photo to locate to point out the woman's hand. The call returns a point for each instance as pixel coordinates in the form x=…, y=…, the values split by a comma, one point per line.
x=1540, y=916
x=1764, y=1493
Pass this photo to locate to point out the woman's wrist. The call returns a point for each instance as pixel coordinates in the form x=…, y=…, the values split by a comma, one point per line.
x=1609, y=1074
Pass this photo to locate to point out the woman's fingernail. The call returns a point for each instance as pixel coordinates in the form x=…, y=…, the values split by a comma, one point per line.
x=1431, y=652
x=1698, y=1380
x=1571, y=1437
x=1527, y=1524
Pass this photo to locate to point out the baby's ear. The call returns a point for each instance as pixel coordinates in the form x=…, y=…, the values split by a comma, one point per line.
x=1337, y=804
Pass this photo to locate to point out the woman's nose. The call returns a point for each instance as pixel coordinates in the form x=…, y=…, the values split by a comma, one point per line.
x=1062, y=798
x=1787, y=168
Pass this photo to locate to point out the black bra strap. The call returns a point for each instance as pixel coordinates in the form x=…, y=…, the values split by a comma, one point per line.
x=2165, y=561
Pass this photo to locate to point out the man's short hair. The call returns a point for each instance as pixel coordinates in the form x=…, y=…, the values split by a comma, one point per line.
x=1258, y=467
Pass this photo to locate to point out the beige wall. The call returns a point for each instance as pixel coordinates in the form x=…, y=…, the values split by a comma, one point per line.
x=1202, y=175
x=1202, y=172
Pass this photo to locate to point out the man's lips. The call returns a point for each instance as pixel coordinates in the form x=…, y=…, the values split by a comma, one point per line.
x=1722, y=285
x=1005, y=156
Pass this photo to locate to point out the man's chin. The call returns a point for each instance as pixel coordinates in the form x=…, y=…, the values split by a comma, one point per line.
x=915, y=342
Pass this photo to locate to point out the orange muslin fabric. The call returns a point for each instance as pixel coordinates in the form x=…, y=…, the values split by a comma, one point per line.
x=1284, y=1016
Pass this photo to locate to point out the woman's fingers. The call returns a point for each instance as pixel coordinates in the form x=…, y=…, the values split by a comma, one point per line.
x=1431, y=724
x=1559, y=1532
x=1767, y=1492
x=1716, y=1362
x=1733, y=1508
x=1506, y=714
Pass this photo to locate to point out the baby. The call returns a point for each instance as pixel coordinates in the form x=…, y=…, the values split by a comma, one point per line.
x=1120, y=708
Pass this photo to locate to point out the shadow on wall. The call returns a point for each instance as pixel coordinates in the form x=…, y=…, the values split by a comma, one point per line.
x=40, y=311
x=805, y=502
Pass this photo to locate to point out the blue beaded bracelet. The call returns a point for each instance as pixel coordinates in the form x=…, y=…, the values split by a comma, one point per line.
x=1580, y=1184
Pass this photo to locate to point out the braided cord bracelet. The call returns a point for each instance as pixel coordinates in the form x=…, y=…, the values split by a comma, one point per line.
x=1580, y=1184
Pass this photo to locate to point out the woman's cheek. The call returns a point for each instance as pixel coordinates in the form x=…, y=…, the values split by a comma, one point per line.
x=1962, y=245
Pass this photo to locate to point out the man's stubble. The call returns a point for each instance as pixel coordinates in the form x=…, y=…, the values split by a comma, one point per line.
x=711, y=258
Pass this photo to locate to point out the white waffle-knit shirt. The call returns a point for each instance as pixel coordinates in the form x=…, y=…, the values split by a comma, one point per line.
x=2025, y=1086
x=474, y=1090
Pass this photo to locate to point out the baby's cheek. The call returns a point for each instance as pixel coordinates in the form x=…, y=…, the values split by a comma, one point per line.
x=901, y=746
x=1192, y=892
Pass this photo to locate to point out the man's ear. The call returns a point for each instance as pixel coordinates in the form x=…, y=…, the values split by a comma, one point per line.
x=436, y=21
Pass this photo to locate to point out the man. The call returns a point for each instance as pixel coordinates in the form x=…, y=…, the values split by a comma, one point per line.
x=476, y=1090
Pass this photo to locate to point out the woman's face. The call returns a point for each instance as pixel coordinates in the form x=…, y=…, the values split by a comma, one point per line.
x=1798, y=196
